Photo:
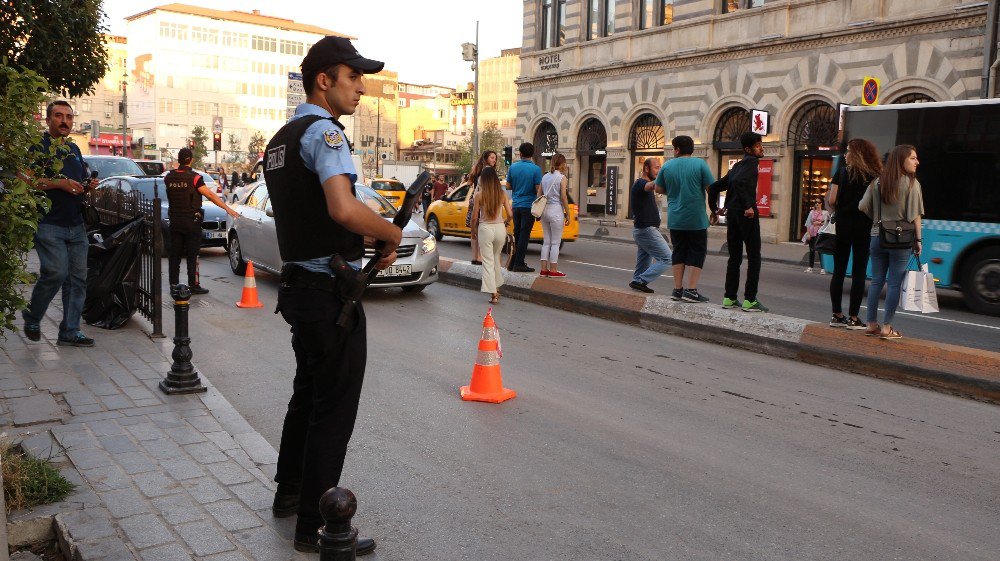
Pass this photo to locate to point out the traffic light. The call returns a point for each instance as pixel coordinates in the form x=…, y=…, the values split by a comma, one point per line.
x=508, y=155
x=217, y=141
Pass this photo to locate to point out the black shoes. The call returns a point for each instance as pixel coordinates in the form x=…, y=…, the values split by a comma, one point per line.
x=198, y=289
x=80, y=340
x=521, y=269
x=641, y=287
x=33, y=332
x=286, y=502
x=838, y=321
x=677, y=294
x=692, y=295
x=310, y=544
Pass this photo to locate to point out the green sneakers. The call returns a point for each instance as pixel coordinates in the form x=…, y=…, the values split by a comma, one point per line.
x=754, y=306
x=730, y=304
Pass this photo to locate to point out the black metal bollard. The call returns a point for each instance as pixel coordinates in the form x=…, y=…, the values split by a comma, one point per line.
x=338, y=541
x=182, y=378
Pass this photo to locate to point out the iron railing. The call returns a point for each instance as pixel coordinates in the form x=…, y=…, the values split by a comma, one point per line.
x=115, y=207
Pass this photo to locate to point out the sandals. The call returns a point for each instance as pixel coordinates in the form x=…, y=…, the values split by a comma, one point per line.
x=874, y=331
x=495, y=299
x=892, y=334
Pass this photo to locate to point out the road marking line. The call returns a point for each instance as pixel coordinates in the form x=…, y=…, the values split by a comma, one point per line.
x=940, y=319
x=615, y=268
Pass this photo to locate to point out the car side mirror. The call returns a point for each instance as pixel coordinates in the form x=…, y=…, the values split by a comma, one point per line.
x=269, y=212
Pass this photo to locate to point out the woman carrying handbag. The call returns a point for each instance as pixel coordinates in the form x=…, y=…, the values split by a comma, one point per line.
x=555, y=216
x=490, y=206
x=488, y=159
x=895, y=202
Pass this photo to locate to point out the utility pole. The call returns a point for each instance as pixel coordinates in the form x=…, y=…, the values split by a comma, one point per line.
x=470, y=53
x=378, y=133
x=125, y=114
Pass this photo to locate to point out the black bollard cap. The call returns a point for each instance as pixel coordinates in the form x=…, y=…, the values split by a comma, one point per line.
x=338, y=505
x=181, y=292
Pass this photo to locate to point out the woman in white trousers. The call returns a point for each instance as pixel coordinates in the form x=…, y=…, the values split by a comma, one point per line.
x=488, y=221
x=556, y=215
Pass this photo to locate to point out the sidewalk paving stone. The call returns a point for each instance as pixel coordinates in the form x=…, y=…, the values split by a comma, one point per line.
x=233, y=516
x=123, y=503
x=146, y=530
x=204, y=539
x=39, y=408
x=178, y=509
x=169, y=552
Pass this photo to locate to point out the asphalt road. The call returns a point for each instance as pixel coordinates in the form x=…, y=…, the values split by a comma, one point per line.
x=785, y=289
x=622, y=443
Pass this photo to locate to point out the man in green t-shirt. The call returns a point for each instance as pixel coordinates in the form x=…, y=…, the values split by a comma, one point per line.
x=684, y=180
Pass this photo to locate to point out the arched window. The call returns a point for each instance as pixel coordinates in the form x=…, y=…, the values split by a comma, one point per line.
x=647, y=134
x=815, y=124
x=915, y=97
x=733, y=122
x=592, y=136
x=546, y=139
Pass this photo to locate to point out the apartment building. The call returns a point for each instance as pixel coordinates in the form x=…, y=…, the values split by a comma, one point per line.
x=498, y=92
x=610, y=82
x=103, y=107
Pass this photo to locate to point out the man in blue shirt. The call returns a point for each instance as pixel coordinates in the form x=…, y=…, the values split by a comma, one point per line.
x=685, y=179
x=61, y=239
x=525, y=179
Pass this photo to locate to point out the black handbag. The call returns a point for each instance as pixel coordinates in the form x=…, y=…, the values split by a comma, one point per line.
x=894, y=234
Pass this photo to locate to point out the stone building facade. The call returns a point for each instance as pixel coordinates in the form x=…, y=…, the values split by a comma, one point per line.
x=610, y=82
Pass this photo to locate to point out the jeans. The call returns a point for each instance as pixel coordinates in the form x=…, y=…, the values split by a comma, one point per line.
x=888, y=267
x=553, y=224
x=523, y=222
x=742, y=231
x=329, y=372
x=851, y=238
x=62, y=252
x=184, y=244
x=652, y=254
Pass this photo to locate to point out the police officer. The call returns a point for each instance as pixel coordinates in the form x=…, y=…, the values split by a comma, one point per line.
x=310, y=179
x=185, y=188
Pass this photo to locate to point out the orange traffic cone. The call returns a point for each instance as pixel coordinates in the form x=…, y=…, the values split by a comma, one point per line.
x=486, y=384
x=249, y=299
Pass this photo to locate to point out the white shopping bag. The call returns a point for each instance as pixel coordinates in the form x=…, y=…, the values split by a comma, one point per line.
x=919, y=294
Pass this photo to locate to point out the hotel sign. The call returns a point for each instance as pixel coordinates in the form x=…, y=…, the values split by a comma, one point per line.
x=549, y=62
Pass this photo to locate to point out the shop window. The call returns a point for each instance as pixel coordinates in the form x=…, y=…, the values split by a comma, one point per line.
x=729, y=6
x=734, y=122
x=600, y=18
x=913, y=98
x=546, y=140
x=553, y=23
x=653, y=13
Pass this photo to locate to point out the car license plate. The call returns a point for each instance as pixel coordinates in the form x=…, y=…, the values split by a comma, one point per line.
x=214, y=235
x=395, y=271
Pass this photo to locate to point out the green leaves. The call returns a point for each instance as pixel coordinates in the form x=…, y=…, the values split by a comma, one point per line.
x=198, y=137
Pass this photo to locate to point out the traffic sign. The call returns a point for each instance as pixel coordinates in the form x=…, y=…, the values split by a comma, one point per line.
x=870, y=88
x=217, y=124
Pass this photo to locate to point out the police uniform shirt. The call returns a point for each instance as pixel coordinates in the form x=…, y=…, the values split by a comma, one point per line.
x=325, y=152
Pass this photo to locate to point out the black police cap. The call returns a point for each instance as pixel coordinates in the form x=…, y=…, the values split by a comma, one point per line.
x=331, y=50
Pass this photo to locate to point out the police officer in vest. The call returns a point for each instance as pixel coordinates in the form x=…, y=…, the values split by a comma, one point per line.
x=310, y=179
x=184, y=190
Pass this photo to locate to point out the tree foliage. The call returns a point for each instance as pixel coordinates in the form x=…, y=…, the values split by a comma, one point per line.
x=199, y=136
x=60, y=40
x=255, y=147
x=20, y=202
x=490, y=138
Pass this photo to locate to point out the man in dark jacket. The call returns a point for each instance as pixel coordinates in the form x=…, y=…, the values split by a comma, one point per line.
x=742, y=223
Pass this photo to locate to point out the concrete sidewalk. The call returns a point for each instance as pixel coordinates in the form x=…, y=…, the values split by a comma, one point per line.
x=620, y=231
x=158, y=477
x=951, y=368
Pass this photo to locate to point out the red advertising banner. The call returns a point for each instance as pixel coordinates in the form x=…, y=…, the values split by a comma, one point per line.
x=109, y=139
x=765, y=170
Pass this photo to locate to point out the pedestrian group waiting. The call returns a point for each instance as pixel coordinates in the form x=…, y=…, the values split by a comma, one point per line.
x=875, y=207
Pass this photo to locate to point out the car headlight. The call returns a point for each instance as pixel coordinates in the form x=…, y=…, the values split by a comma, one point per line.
x=429, y=244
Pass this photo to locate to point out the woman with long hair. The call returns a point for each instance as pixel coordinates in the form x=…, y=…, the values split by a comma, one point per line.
x=815, y=220
x=488, y=159
x=488, y=207
x=895, y=195
x=556, y=214
x=862, y=166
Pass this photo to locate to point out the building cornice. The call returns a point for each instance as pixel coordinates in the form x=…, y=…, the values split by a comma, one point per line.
x=875, y=32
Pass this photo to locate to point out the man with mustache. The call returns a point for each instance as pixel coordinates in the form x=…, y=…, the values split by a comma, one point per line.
x=310, y=178
x=61, y=239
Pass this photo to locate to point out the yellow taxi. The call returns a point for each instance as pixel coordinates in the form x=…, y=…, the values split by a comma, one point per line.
x=447, y=217
x=391, y=189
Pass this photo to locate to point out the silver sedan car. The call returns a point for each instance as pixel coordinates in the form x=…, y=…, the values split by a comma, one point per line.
x=252, y=238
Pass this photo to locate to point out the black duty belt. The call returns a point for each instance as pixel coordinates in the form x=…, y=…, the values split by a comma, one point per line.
x=300, y=277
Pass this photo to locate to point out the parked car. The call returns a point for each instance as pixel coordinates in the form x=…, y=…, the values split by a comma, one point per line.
x=392, y=189
x=447, y=217
x=215, y=221
x=111, y=166
x=152, y=167
x=252, y=237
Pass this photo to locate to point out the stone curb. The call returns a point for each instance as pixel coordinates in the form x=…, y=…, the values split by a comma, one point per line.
x=950, y=368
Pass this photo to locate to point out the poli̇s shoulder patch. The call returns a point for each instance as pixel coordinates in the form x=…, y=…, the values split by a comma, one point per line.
x=333, y=138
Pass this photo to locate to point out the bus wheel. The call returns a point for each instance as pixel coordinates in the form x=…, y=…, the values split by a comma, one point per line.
x=981, y=281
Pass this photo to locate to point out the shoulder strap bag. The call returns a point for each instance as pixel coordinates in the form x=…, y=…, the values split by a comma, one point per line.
x=894, y=234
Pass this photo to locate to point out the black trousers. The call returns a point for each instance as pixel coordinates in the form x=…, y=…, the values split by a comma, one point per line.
x=742, y=231
x=185, y=243
x=524, y=221
x=850, y=238
x=812, y=251
x=329, y=371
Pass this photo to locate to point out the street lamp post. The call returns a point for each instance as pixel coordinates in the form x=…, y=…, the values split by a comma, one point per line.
x=470, y=53
x=125, y=114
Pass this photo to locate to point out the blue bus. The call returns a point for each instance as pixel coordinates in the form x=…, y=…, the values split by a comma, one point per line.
x=958, y=143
